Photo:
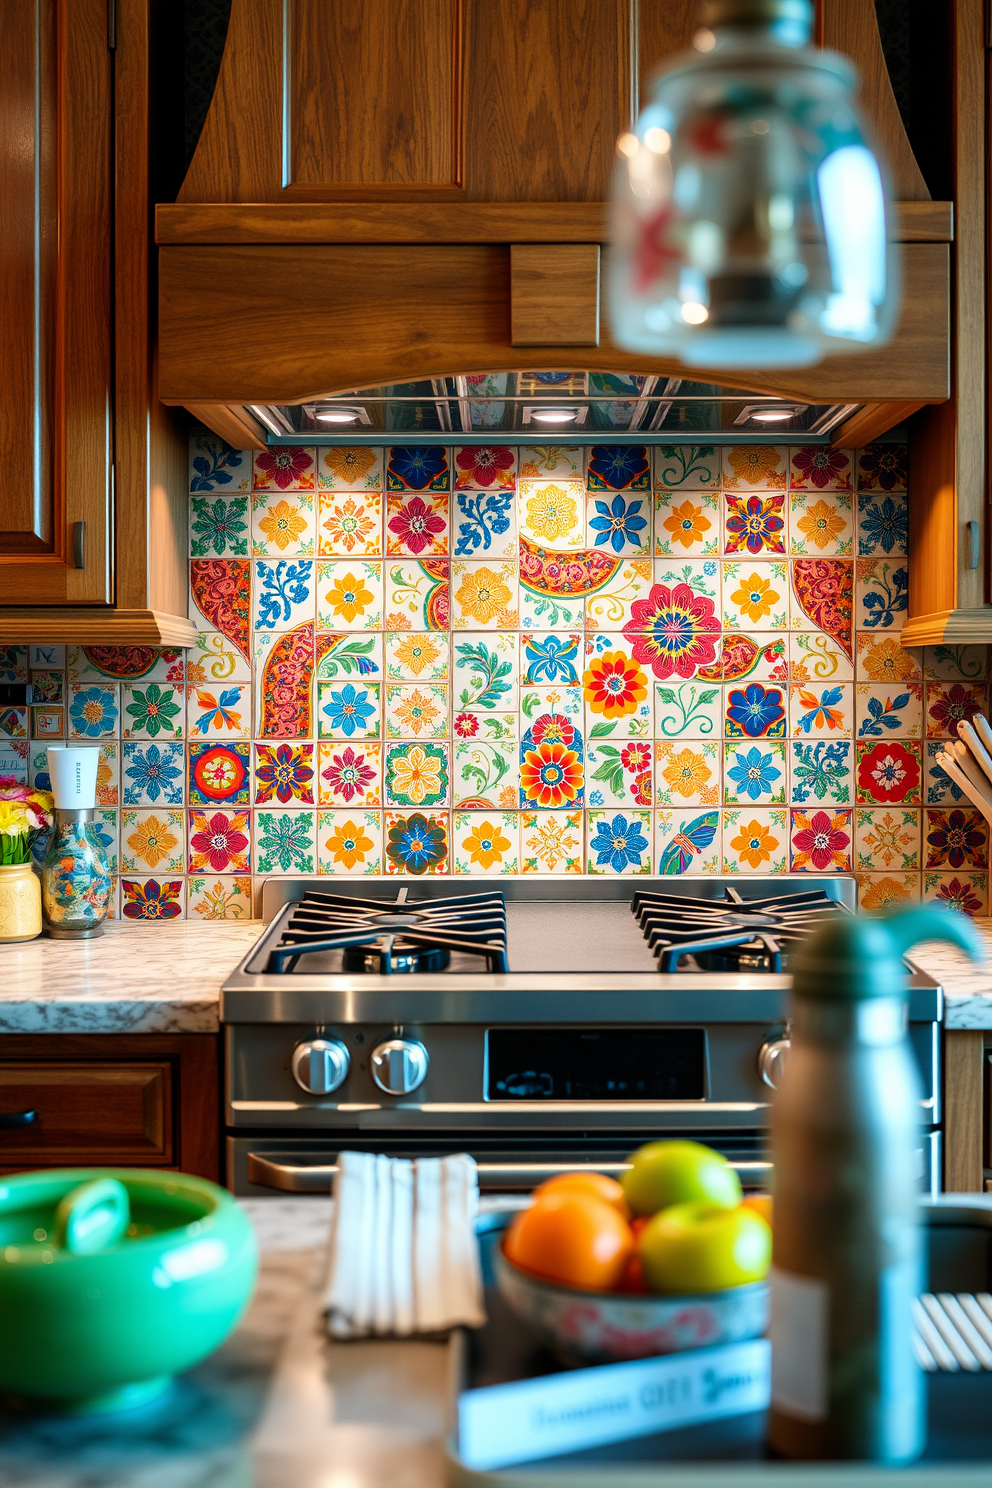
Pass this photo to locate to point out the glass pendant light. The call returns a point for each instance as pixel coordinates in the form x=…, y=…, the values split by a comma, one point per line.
x=750, y=216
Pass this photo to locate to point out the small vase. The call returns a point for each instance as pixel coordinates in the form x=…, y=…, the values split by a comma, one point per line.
x=75, y=879
x=20, y=902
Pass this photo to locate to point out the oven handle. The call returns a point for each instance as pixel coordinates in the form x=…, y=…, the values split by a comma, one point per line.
x=299, y=1179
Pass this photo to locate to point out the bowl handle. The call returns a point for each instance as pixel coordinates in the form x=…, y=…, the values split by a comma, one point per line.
x=92, y=1216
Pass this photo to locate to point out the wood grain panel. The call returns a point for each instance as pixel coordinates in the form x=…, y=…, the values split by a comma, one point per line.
x=111, y=1112
x=378, y=314
x=93, y=626
x=870, y=422
x=963, y=1115
x=933, y=511
x=554, y=294
x=380, y=104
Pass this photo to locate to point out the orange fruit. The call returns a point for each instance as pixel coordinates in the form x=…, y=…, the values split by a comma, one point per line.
x=761, y=1204
x=597, y=1185
x=572, y=1238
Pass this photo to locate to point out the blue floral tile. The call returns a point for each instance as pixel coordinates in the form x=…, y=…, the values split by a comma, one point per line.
x=215, y=466
x=883, y=523
x=619, y=524
x=284, y=595
x=618, y=843
x=549, y=659
x=889, y=710
x=881, y=594
x=218, y=526
x=754, y=773
x=484, y=524
x=153, y=774
x=417, y=467
x=821, y=770
x=94, y=710
x=618, y=467
x=754, y=711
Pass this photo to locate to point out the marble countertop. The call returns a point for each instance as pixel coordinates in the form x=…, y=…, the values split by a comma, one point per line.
x=166, y=979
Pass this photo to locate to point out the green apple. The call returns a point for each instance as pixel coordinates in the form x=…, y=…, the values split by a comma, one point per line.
x=704, y=1248
x=666, y=1173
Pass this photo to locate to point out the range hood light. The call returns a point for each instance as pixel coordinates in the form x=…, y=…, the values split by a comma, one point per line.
x=773, y=415
x=338, y=416
x=748, y=175
x=554, y=415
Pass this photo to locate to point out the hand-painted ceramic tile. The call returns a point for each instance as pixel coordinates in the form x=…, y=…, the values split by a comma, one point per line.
x=887, y=772
x=821, y=524
x=616, y=690
x=539, y=461
x=219, y=842
x=888, y=710
x=284, y=468
x=820, y=841
x=622, y=600
x=212, y=898
x=47, y=723
x=14, y=723
x=674, y=632
x=220, y=598
x=484, y=467
x=349, y=595
x=283, y=670
x=549, y=659
x=48, y=687
x=485, y=775
x=549, y=612
x=821, y=771
x=416, y=842
x=484, y=524
x=153, y=898
x=883, y=524
x=284, y=595
x=485, y=843
x=823, y=598
x=755, y=840
x=815, y=656
x=284, y=775
x=551, y=513
x=46, y=658
x=687, y=467
x=418, y=467
x=685, y=774
x=688, y=710
x=125, y=664
x=619, y=524
x=551, y=764
x=619, y=774
x=153, y=842
x=886, y=837
x=416, y=712
x=760, y=657
x=882, y=467
x=350, y=467
x=417, y=596
x=94, y=710
x=618, y=467
x=214, y=466
x=753, y=710
x=882, y=594
x=877, y=891
x=218, y=774
x=754, y=774
x=819, y=711
x=349, y=843
x=755, y=467
x=344, y=654
x=107, y=776
x=105, y=825
x=955, y=837
x=882, y=659
x=686, y=524
x=492, y=727
x=955, y=663
x=816, y=467
x=618, y=843
x=214, y=661
x=938, y=785
x=417, y=774
x=349, y=710
x=754, y=524
x=150, y=711
x=25, y=761
x=417, y=525
x=414, y=656
x=484, y=596
x=13, y=663
x=285, y=842
x=551, y=842
x=950, y=703
x=755, y=596
x=966, y=892
x=283, y=526
x=218, y=526
x=687, y=843
x=349, y=525
x=349, y=775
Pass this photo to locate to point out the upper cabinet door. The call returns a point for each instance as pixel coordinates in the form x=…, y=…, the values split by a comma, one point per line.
x=56, y=431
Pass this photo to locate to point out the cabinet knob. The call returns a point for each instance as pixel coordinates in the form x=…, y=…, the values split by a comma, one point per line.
x=771, y=1060
x=10, y=1119
x=399, y=1066
x=320, y=1066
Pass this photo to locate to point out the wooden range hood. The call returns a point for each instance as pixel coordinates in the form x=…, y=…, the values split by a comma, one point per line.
x=416, y=188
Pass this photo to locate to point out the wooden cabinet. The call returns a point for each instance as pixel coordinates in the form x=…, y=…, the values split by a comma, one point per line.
x=120, y=1100
x=92, y=502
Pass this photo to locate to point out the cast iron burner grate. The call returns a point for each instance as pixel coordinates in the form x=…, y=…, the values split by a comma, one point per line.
x=401, y=935
x=734, y=934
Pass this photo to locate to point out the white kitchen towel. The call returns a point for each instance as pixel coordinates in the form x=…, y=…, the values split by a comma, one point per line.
x=403, y=1257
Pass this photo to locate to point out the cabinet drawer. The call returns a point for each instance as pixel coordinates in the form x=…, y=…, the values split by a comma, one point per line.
x=92, y=1113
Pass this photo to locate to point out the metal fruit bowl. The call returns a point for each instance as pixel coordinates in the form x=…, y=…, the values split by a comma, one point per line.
x=601, y=1327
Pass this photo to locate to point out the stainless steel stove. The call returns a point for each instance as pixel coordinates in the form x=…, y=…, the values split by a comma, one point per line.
x=538, y=1024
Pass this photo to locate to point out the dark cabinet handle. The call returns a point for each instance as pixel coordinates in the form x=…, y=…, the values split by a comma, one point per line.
x=17, y=1118
x=78, y=550
x=973, y=535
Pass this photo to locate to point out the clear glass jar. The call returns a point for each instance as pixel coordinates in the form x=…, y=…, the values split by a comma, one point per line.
x=75, y=878
x=749, y=213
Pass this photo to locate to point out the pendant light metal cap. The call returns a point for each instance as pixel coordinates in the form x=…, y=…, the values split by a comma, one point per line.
x=853, y=958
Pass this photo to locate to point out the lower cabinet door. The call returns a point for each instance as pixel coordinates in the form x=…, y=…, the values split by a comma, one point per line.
x=55, y=1114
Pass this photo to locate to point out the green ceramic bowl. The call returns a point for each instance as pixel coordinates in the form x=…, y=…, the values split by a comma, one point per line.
x=111, y=1281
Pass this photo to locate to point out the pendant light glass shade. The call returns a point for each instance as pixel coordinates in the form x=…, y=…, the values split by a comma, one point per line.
x=750, y=216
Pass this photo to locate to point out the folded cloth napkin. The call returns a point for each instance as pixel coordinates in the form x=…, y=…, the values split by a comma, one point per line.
x=403, y=1257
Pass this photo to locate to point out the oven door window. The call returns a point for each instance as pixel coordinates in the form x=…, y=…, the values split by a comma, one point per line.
x=595, y=1064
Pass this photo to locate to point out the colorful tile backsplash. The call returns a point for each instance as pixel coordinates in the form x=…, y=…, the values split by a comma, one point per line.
x=543, y=660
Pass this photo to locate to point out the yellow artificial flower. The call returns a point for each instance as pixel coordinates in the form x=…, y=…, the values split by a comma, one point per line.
x=283, y=525
x=349, y=597
x=754, y=843
x=348, y=844
x=13, y=820
x=552, y=513
x=755, y=597
x=417, y=652
x=485, y=844
x=821, y=524
x=417, y=775
x=482, y=594
x=152, y=840
x=687, y=773
x=687, y=524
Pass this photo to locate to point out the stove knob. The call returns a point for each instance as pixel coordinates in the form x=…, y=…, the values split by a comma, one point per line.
x=771, y=1060
x=320, y=1066
x=399, y=1066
